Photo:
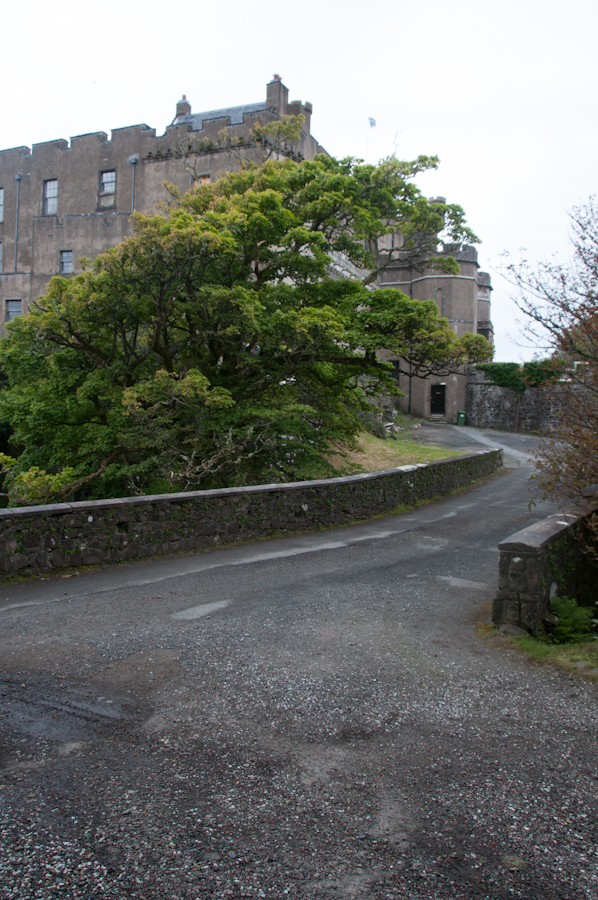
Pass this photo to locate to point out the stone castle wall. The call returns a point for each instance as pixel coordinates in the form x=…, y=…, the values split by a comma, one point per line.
x=85, y=221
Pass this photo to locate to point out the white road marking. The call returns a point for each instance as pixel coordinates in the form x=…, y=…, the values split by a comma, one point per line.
x=463, y=583
x=196, y=612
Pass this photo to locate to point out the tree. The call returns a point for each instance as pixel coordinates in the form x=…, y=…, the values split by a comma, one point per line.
x=214, y=347
x=560, y=303
x=436, y=350
x=278, y=139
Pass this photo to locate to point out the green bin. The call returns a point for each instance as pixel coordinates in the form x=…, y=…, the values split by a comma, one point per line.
x=460, y=417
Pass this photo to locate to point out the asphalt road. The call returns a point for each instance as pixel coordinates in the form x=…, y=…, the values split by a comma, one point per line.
x=314, y=717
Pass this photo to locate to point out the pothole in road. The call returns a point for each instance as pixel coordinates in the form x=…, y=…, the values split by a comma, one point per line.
x=63, y=714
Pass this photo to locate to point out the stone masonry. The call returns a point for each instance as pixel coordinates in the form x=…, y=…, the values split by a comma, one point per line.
x=538, y=563
x=491, y=406
x=61, y=201
x=42, y=538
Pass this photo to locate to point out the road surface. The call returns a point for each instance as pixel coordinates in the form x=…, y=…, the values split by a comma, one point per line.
x=315, y=717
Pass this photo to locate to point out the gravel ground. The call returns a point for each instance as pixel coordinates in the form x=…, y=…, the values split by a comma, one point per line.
x=310, y=721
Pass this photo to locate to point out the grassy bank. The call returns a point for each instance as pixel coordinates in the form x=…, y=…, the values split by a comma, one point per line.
x=375, y=454
x=581, y=657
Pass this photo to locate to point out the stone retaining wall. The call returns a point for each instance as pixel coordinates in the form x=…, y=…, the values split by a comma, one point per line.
x=538, y=563
x=41, y=538
x=491, y=406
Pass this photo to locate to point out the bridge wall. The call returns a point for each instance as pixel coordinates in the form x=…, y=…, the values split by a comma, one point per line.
x=42, y=538
x=539, y=562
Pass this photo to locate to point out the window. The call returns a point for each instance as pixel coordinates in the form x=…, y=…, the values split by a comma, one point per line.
x=1, y=204
x=66, y=262
x=1, y=260
x=108, y=182
x=13, y=309
x=107, y=188
x=50, y=197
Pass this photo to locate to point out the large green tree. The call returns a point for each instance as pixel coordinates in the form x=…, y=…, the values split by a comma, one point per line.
x=217, y=346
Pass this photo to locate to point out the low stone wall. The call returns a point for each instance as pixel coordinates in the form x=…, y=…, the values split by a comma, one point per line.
x=41, y=538
x=538, y=563
x=491, y=406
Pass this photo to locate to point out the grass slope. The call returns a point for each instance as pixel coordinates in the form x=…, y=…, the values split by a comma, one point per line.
x=375, y=454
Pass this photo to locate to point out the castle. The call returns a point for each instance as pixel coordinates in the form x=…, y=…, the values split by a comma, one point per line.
x=61, y=201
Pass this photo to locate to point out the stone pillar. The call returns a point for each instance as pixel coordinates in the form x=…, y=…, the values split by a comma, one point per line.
x=531, y=570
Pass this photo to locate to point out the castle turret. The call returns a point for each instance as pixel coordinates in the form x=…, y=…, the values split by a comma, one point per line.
x=484, y=314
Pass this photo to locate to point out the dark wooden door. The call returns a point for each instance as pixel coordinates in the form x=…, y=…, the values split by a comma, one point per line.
x=438, y=400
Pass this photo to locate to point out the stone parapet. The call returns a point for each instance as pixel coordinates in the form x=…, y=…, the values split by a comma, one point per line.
x=39, y=539
x=538, y=563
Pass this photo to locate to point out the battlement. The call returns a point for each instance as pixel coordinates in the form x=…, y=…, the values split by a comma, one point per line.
x=82, y=142
x=467, y=253
x=67, y=199
x=17, y=152
x=274, y=106
x=99, y=137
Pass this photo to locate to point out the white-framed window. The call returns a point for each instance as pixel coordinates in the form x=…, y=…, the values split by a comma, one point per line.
x=66, y=262
x=13, y=308
x=50, y=197
x=107, y=191
x=1, y=204
x=108, y=182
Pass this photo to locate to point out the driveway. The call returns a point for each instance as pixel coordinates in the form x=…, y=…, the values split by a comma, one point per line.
x=315, y=717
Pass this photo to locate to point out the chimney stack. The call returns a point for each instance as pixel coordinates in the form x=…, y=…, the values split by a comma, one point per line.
x=277, y=96
x=183, y=107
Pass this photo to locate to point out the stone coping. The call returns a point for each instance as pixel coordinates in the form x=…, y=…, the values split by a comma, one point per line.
x=536, y=537
x=539, y=561
x=186, y=496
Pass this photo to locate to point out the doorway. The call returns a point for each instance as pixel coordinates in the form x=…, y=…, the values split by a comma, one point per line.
x=438, y=400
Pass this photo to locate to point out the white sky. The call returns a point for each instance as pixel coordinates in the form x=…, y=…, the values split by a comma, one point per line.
x=503, y=92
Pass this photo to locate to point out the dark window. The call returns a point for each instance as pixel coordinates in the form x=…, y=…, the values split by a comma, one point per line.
x=13, y=309
x=108, y=182
x=66, y=262
x=1, y=204
x=50, y=197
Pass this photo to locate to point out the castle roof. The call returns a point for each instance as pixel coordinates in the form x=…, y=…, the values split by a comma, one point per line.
x=235, y=113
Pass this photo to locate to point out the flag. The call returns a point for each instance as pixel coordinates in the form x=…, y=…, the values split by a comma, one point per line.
x=372, y=122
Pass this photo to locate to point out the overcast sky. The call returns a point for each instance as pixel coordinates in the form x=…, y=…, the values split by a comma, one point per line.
x=503, y=92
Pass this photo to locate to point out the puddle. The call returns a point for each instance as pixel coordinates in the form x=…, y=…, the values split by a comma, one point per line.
x=55, y=714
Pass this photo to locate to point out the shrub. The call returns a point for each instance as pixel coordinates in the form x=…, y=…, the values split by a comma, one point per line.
x=575, y=623
x=372, y=424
